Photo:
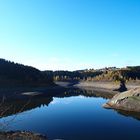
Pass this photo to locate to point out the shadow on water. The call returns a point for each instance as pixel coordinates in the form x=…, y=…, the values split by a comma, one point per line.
x=135, y=115
x=11, y=107
x=19, y=106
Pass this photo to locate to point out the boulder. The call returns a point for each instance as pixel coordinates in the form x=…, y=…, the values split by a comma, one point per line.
x=128, y=101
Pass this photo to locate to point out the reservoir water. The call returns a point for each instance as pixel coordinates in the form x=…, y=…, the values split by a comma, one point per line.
x=74, y=116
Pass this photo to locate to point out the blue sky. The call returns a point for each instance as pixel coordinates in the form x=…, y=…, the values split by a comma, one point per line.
x=70, y=34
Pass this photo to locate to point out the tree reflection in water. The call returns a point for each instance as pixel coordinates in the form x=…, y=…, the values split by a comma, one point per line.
x=16, y=106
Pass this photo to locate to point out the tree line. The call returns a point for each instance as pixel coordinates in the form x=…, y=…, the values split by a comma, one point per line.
x=13, y=74
x=106, y=74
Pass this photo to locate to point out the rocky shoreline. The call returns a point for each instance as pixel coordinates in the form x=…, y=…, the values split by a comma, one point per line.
x=21, y=135
x=128, y=101
x=106, y=85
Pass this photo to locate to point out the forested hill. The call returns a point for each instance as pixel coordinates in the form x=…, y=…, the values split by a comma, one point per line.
x=105, y=74
x=13, y=74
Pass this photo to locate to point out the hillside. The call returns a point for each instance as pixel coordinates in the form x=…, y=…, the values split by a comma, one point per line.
x=105, y=74
x=13, y=74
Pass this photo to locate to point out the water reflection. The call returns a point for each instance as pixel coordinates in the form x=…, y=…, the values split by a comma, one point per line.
x=84, y=92
x=74, y=114
x=135, y=115
x=10, y=107
x=19, y=106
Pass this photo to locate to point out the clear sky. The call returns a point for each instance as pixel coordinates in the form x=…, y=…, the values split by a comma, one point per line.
x=70, y=34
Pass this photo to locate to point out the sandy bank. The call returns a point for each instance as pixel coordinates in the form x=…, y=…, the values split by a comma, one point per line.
x=103, y=87
x=106, y=85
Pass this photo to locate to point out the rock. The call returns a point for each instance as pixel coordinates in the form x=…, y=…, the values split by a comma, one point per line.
x=21, y=135
x=128, y=101
x=122, y=86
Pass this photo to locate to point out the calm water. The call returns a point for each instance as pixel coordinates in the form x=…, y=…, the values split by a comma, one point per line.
x=75, y=118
